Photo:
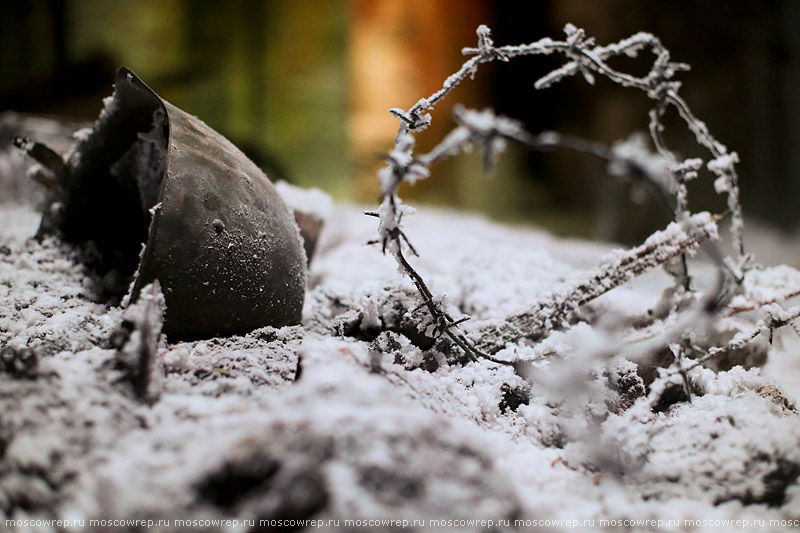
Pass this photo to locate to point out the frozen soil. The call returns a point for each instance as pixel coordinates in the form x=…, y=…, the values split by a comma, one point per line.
x=360, y=414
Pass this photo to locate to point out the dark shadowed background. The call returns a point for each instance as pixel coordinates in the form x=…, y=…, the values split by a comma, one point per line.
x=304, y=86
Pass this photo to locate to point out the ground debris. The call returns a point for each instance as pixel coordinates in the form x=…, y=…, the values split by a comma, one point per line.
x=138, y=342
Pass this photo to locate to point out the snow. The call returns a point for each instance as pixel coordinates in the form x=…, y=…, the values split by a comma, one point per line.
x=381, y=422
x=633, y=151
x=310, y=201
x=722, y=166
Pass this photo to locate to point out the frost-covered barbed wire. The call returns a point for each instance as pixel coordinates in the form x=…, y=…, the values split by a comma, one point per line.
x=586, y=58
x=681, y=333
x=663, y=172
x=489, y=133
x=775, y=317
x=688, y=356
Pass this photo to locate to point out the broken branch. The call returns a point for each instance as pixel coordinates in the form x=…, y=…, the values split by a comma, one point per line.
x=556, y=309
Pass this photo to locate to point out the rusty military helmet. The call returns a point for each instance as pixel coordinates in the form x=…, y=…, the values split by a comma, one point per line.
x=160, y=195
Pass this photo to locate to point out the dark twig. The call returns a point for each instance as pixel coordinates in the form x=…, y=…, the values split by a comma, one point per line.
x=44, y=155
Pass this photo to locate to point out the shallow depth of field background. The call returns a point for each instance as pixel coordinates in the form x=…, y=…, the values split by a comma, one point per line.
x=303, y=87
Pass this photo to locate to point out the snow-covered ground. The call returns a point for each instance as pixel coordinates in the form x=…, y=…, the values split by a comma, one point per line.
x=354, y=416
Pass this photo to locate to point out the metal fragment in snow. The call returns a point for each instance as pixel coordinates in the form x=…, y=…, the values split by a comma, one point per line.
x=164, y=197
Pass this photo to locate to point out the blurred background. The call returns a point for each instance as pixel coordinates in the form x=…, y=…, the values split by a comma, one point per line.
x=304, y=88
